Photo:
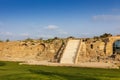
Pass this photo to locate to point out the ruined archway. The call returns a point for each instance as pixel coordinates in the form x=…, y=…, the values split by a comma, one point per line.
x=109, y=47
x=116, y=47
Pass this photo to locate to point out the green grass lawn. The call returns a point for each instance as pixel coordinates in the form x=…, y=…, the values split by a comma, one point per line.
x=14, y=71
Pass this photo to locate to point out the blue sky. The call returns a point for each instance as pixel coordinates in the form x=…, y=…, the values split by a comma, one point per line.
x=20, y=19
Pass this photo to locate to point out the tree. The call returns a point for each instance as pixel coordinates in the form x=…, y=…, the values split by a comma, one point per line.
x=28, y=39
x=72, y=37
x=56, y=38
x=40, y=39
x=105, y=35
x=106, y=40
x=96, y=37
x=7, y=40
x=1, y=41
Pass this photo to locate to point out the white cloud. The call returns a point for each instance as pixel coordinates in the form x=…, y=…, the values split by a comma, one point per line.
x=9, y=33
x=107, y=17
x=51, y=27
x=24, y=34
x=61, y=32
x=6, y=33
x=46, y=36
x=49, y=31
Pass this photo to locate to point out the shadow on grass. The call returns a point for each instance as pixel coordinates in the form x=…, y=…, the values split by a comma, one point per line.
x=20, y=76
x=66, y=76
x=2, y=63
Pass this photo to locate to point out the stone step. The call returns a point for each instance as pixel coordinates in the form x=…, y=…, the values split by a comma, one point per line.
x=70, y=52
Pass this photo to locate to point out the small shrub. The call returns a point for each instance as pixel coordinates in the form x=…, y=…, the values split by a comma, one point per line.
x=106, y=35
x=1, y=41
x=29, y=39
x=96, y=38
x=56, y=38
x=7, y=40
x=71, y=37
x=40, y=39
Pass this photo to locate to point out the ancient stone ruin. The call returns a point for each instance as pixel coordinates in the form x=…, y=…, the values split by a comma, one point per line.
x=64, y=51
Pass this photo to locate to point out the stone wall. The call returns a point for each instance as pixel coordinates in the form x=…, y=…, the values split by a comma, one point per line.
x=94, y=50
x=109, y=47
x=90, y=50
x=29, y=50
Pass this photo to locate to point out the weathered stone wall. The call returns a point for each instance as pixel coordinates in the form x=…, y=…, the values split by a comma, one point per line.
x=109, y=47
x=90, y=50
x=29, y=50
x=95, y=49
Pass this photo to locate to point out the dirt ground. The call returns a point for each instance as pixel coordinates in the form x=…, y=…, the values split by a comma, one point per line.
x=86, y=64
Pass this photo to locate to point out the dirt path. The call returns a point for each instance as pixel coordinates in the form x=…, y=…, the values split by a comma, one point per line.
x=87, y=64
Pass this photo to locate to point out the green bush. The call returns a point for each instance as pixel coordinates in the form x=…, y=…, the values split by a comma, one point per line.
x=1, y=41
x=28, y=40
x=105, y=35
x=7, y=40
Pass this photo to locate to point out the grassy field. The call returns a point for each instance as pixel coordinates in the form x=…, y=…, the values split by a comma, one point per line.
x=13, y=71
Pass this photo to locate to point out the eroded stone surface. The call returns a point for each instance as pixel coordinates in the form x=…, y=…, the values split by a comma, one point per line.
x=90, y=50
x=20, y=50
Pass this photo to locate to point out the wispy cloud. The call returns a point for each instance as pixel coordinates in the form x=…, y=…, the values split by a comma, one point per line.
x=6, y=33
x=51, y=27
x=52, y=31
x=62, y=32
x=25, y=34
x=9, y=33
x=106, y=18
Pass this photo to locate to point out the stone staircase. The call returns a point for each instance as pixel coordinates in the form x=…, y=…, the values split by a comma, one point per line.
x=70, y=52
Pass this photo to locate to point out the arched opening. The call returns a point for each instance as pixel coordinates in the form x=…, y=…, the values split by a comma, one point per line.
x=91, y=46
x=116, y=47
